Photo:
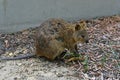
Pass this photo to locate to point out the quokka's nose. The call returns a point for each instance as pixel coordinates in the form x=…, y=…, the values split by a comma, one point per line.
x=87, y=41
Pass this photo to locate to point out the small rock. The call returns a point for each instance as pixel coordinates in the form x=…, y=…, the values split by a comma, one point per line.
x=17, y=52
x=19, y=64
x=25, y=32
x=10, y=54
x=25, y=51
x=6, y=43
x=59, y=75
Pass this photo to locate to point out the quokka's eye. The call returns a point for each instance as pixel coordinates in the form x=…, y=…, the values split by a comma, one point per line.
x=82, y=36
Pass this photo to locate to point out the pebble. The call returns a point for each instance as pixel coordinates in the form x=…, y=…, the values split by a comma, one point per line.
x=19, y=64
x=10, y=54
x=59, y=75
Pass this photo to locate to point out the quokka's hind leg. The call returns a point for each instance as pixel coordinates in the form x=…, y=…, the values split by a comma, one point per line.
x=56, y=48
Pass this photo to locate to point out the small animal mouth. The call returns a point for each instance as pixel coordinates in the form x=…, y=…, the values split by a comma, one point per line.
x=87, y=41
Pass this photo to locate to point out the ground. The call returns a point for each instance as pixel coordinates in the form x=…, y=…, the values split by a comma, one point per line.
x=102, y=55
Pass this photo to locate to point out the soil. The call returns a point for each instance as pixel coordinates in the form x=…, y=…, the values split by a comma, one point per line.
x=102, y=55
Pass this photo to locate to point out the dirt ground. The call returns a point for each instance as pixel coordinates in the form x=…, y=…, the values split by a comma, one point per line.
x=34, y=69
x=102, y=55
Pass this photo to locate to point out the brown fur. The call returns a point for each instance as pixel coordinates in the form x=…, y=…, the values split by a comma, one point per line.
x=54, y=35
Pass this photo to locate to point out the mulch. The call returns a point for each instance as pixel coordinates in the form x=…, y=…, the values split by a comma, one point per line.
x=102, y=52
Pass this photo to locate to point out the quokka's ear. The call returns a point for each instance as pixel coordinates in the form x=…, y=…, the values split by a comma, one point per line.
x=77, y=27
x=81, y=25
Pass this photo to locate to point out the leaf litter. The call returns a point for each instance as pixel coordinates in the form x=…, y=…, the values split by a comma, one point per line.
x=102, y=53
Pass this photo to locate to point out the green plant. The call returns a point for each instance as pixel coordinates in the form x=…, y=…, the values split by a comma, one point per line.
x=85, y=64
